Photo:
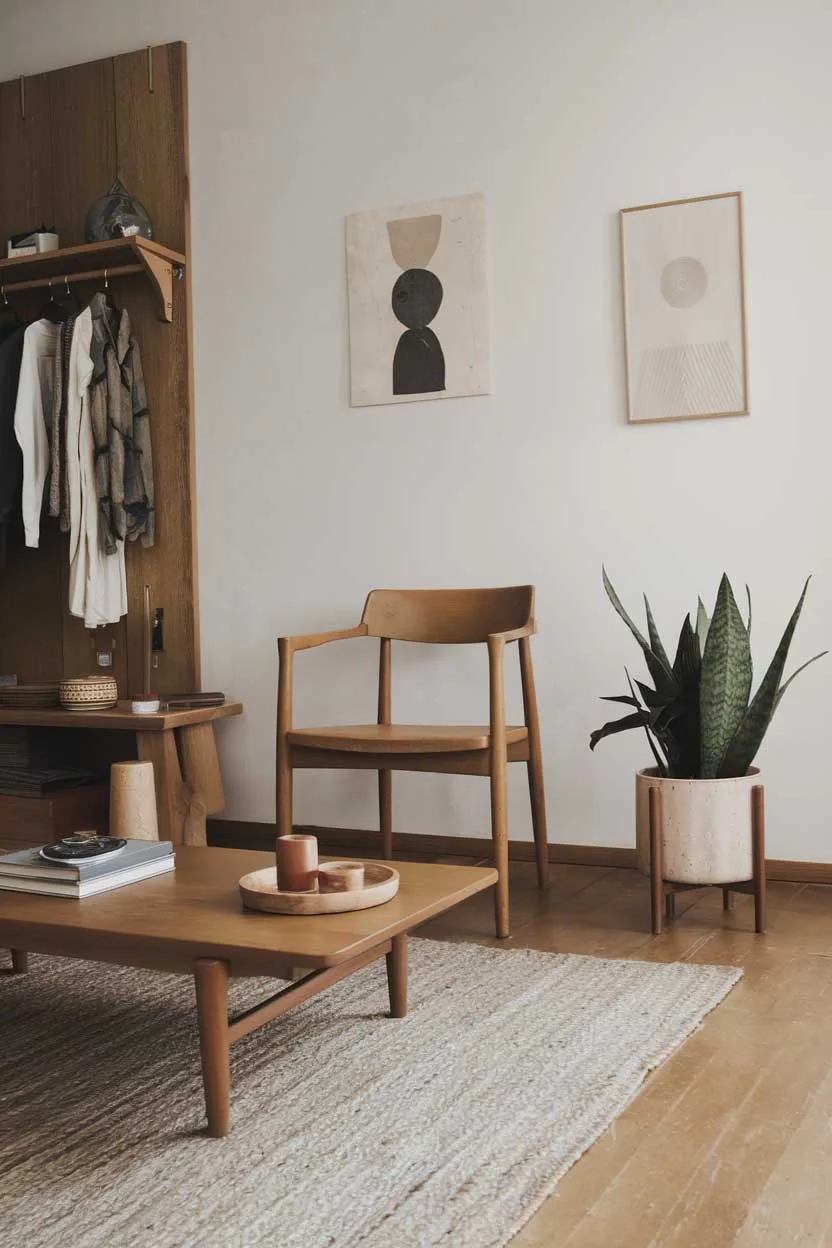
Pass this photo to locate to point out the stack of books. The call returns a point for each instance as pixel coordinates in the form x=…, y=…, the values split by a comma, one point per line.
x=25, y=871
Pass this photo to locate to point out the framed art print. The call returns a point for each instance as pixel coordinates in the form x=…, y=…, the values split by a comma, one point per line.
x=418, y=302
x=684, y=309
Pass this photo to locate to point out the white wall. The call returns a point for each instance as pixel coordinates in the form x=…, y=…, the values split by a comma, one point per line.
x=305, y=110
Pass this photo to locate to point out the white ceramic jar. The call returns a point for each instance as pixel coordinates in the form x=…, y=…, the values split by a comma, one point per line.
x=706, y=827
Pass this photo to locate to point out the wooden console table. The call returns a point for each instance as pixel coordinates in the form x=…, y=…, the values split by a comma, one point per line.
x=181, y=746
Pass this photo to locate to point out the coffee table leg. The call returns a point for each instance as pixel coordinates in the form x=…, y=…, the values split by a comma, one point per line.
x=20, y=961
x=397, y=976
x=211, y=979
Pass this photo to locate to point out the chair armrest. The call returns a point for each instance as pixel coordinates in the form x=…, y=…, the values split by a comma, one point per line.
x=308, y=640
x=514, y=634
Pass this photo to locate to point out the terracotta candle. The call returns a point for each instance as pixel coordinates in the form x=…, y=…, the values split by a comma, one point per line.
x=340, y=877
x=297, y=863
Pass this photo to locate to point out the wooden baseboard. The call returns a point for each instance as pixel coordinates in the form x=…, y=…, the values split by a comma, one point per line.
x=238, y=834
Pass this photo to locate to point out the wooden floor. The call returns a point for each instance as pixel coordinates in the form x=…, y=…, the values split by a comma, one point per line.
x=730, y=1142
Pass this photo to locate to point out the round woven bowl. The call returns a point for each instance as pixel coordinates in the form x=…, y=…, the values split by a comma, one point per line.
x=88, y=693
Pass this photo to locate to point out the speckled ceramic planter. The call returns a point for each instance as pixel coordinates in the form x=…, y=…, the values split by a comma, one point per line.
x=706, y=827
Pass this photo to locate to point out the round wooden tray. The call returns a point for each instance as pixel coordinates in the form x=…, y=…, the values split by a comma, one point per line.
x=259, y=891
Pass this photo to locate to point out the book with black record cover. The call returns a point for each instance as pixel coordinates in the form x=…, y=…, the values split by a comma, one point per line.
x=72, y=868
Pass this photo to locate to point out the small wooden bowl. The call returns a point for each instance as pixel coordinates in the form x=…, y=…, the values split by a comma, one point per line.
x=259, y=891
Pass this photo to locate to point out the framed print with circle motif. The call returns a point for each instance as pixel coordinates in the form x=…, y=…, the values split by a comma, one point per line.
x=684, y=309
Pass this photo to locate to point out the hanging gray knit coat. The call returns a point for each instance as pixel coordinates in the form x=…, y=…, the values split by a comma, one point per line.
x=120, y=430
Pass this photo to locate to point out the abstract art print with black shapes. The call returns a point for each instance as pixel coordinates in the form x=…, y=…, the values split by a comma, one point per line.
x=684, y=309
x=418, y=302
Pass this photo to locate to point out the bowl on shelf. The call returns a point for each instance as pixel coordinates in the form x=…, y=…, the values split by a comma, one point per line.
x=88, y=693
x=34, y=696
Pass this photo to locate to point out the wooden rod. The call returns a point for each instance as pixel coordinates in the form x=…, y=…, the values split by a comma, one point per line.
x=147, y=646
x=758, y=851
x=300, y=991
x=656, y=866
x=89, y=276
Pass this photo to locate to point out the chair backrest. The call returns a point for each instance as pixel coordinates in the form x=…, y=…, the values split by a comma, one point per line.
x=447, y=616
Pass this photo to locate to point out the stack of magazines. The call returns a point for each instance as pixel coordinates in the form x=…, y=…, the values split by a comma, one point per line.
x=28, y=871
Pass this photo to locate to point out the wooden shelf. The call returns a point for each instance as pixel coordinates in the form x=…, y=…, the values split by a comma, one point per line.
x=118, y=258
x=120, y=717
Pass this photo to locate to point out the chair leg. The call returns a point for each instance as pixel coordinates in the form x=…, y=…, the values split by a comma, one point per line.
x=538, y=805
x=499, y=836
x=284, y=795
x=535, y=764
x=385, y=812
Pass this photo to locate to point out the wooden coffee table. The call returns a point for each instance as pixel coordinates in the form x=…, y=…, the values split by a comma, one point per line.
x=192, y=922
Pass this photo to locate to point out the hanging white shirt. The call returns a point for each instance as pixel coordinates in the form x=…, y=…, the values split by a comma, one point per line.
x=97, y=581
x=34, y=401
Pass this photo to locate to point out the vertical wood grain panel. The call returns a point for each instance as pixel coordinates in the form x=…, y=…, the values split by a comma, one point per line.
x=26, y=147
x=30, y=614
x=83, y=143
x=152, y=145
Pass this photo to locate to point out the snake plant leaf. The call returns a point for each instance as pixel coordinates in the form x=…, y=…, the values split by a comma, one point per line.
x=621, y=697
x=653, y=633
x=661, y=763
x=750, y=731
x=651, y=698
x=702, y=624
x=687, y=662
x=661, y=671
x=748, y=625
x=725, y=681
x=638, y=719
x=802, y=668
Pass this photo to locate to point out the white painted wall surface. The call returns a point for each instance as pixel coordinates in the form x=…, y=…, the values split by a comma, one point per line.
x=305, y=110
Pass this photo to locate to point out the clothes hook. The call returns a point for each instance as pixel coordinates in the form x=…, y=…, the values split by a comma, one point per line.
x=106, y=282
x=5, y=296
x=66, y=284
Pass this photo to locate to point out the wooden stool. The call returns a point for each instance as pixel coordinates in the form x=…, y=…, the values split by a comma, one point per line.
x=663, y=892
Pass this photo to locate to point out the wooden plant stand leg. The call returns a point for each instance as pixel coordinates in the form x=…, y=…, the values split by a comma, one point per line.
x=758, y=855
x=397, y=976
x=20, y=961
x=656, y=866
x=670, y=906
x=211, y=979
x=727, y=899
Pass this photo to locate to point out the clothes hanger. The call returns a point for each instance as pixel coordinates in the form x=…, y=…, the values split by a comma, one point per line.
x=8, y=316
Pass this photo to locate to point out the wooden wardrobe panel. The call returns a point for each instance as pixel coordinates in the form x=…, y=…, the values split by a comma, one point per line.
x=26, y=145
x=31, y=645
x=84, y=157
x=108, y=120
x=167, y=566
x=155, y=172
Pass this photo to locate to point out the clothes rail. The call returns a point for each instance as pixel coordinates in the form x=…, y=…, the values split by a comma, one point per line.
x=64, y=280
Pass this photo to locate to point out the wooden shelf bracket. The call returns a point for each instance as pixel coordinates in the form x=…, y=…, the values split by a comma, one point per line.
x=160, y=272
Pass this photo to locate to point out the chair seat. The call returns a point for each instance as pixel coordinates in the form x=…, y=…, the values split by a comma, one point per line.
x=400, y=738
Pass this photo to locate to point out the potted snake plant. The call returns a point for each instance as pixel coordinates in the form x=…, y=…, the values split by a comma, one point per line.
x=704, y=730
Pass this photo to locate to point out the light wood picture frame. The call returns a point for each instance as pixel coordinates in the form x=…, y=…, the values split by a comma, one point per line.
x=683, y=293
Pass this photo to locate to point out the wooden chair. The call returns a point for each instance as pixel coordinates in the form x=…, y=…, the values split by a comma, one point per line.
x=495, y=617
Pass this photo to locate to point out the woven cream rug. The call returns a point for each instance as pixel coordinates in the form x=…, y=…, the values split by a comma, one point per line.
x=348, y=1128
